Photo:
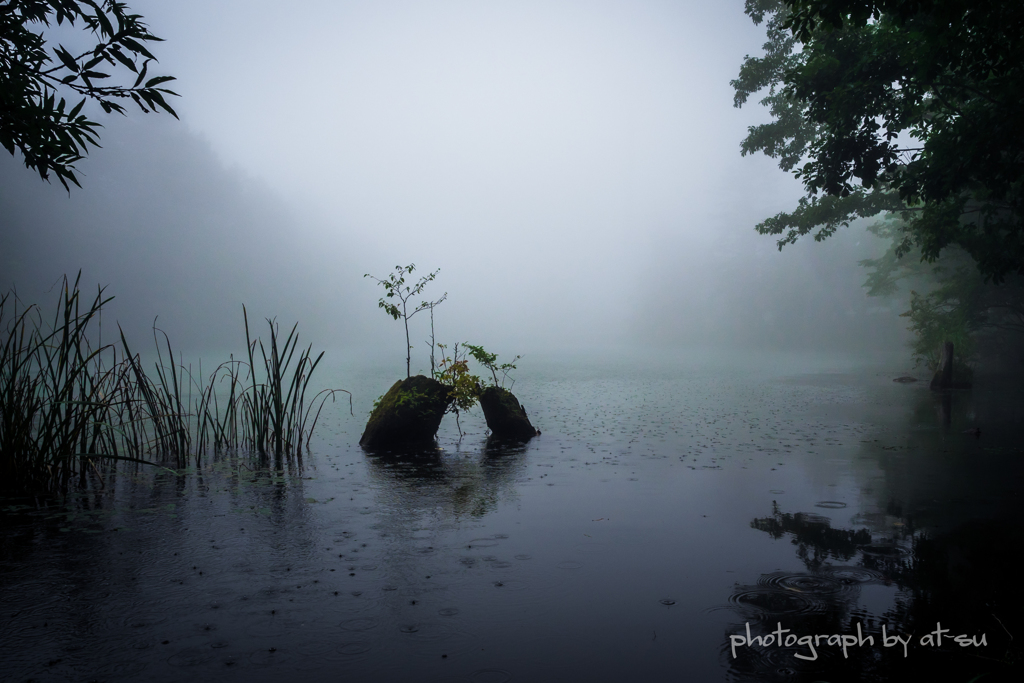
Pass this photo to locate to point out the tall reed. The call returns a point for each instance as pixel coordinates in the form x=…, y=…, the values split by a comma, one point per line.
x=51, y=405
x=63, y=409
x=275, y=421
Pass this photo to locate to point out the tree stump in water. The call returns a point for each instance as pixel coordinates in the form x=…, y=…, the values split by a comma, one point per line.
x=505, y=417
x=408, y=415
x=943, y=378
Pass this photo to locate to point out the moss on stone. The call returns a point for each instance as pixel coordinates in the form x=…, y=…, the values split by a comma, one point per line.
x=408, y=414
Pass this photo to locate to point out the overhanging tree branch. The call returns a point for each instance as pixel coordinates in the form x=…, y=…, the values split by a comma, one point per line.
x=846, y=78
x=35, y=118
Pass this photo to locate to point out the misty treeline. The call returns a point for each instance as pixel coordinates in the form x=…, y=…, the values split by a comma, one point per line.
x=907, y=111
x=72, y=407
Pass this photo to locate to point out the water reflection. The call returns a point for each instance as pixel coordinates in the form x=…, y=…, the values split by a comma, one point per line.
x=813, y=535
x=963, y=581
x=590, y=554
x=452, y=485
x=162, y=572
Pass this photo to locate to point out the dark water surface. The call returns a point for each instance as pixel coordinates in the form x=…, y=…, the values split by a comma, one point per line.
x=664, y=509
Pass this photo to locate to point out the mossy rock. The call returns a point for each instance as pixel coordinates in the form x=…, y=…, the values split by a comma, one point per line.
x=505, y=417
x=408, y=415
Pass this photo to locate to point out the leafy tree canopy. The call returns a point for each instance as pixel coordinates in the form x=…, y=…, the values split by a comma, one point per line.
x=36, y=76
x=909, y=106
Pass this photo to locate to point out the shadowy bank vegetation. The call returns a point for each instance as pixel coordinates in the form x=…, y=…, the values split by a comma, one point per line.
x=950, y=301
x=72, y=407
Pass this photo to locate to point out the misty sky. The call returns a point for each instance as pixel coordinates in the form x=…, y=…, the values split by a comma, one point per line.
x=572, y=167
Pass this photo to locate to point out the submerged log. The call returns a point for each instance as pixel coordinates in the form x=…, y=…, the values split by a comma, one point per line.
x=505, y=417
x=408, y=415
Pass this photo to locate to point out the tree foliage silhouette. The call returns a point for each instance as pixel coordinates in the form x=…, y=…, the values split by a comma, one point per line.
x=909, y=106
x=37, y=79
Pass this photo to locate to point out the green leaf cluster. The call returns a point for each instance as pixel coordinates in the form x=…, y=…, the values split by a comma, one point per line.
x=897, y=105
x=35, y=118
x=490, y=361
x=454, y=373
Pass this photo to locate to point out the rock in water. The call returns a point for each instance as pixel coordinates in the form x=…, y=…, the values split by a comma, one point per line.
x=505, y=417
x=409, y=414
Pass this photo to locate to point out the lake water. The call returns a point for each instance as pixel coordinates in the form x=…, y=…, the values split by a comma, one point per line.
x=667, y=507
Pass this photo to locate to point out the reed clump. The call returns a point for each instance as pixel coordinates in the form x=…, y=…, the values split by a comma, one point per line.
x=70, y=407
